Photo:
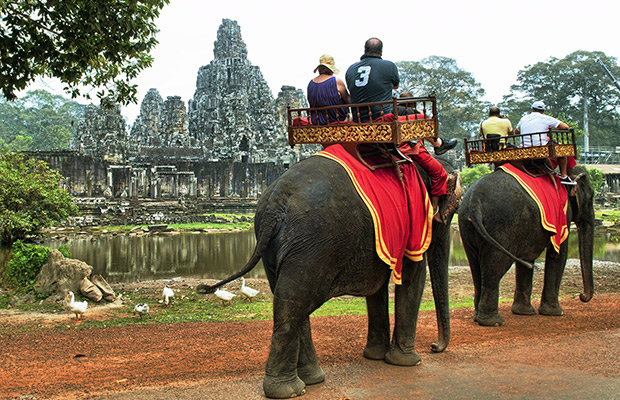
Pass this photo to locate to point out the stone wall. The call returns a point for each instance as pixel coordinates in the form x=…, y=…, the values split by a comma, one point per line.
x=88, y=176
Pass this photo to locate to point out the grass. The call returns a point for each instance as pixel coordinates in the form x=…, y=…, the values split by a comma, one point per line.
x=607, y=215
x=227, y=222
x=193, y=307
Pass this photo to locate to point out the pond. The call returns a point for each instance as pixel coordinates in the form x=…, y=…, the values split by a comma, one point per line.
x=123, y=258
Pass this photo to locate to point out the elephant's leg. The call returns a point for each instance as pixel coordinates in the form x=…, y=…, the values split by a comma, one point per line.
x=493, y=267
x=281, y=380
x=308, y=368
x=408, y=297
x=378, y=340
x=554, y=269
x=522, y=304
x=474, y=267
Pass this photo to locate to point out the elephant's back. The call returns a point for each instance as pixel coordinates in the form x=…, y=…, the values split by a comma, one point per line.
x=500, y=200
x=317, y=195
x=506, y=210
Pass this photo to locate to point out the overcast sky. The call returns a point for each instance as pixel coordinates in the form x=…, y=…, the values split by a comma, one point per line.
x=491, y=40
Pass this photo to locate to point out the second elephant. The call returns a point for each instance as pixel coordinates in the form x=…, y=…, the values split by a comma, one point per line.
x=500, y=224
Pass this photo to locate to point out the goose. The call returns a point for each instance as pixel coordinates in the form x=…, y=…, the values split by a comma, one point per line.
x=224, y=296
x=167, y=293
x=142, y=309
x=77, y=307
x=247, y=291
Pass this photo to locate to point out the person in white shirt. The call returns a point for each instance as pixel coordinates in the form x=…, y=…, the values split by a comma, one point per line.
x=538, y=122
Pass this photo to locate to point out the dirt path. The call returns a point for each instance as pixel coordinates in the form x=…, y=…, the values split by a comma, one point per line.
x=574, y=356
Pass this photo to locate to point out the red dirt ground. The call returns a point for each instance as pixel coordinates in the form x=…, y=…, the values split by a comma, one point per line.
x=573, y=356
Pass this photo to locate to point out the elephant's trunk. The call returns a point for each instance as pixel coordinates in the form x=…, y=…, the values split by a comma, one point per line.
x=438, y=260
x=585, y=230
x=584, y=219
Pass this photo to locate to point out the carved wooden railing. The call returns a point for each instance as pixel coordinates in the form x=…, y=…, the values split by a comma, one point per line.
x=561, y=143
x=380, y=124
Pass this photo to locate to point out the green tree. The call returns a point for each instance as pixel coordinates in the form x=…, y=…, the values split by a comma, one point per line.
x=83, y=43
x=575, y=86
x=30, y=197
x=38, y=121
x=597, y=179
x=472, y=174
x=458, y=94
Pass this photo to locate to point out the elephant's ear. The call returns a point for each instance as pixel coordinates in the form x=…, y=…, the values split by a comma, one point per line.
x=452, y=199
x=584, y=193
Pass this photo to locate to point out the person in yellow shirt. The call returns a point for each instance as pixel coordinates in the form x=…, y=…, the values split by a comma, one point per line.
x=495, y=127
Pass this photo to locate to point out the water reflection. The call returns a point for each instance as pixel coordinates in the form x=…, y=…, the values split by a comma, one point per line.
x=130, y=258
x=604, y=248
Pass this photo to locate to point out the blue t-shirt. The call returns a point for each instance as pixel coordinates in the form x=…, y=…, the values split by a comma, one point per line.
x=371, y=80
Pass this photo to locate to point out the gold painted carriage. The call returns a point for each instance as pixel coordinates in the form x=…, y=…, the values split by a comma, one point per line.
x=418, y=120
x=560, y=143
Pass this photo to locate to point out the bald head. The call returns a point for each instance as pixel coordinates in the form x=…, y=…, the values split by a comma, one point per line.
x=373, y=46
x=494, y=111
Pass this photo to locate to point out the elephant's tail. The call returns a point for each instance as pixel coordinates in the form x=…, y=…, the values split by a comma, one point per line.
x=263, y=239
x=476, y=220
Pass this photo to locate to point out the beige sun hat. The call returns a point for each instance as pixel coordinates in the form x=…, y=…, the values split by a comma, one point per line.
x=327, y=61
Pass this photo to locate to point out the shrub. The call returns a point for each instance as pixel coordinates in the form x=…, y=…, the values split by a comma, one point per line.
x=471, y=174
x=22, y=269
x=597, y=179
x=30, y=197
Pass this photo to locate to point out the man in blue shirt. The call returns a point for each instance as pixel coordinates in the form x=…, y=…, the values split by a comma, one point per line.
x=371, y=80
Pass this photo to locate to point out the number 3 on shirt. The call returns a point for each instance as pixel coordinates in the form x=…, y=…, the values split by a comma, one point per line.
x=364, y=72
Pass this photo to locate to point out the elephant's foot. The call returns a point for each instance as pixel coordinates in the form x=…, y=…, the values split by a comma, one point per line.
x=376, y=351
x=523, y=309
x=311, y=374
x=397, y=357
x=490, y=320
x=283, y=389
x=547, y=309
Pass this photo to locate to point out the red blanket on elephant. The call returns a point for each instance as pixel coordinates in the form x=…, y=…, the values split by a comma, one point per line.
x=552, y=201
x=402, y=213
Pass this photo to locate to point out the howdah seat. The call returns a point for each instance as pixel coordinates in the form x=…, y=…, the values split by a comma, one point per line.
x=419, y=121
x=561, y=143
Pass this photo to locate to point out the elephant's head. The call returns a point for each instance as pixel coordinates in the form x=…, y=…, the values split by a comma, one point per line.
x=583, y=216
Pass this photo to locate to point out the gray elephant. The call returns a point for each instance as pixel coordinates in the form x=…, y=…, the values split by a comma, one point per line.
x=316, y=238
x=500, y=224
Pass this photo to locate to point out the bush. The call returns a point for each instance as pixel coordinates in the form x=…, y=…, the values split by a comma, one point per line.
x=471, y=174
x=30, y=197
x=597, y=179
x=22, y=269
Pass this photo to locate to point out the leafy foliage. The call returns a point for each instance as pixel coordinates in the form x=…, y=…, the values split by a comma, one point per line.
x=574, y=86
x=472, y=174
x=30, y=197
x=22, y=269
x=38, y=121
x=597, y=179
x=92, y=43
x=458, y=94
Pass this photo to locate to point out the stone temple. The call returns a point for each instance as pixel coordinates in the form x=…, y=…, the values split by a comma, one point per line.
x=227, y=143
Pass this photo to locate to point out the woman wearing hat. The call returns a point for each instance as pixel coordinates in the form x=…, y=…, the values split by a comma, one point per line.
x=327, y=90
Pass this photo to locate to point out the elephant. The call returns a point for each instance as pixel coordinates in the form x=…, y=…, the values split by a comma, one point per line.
x=316, y=239
x=500, y=224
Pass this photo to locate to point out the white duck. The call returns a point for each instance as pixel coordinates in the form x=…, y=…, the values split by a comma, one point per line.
x=167, y=293
x=247, y=291
x=77, y=307
x=142, y=309
x=224, y=296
